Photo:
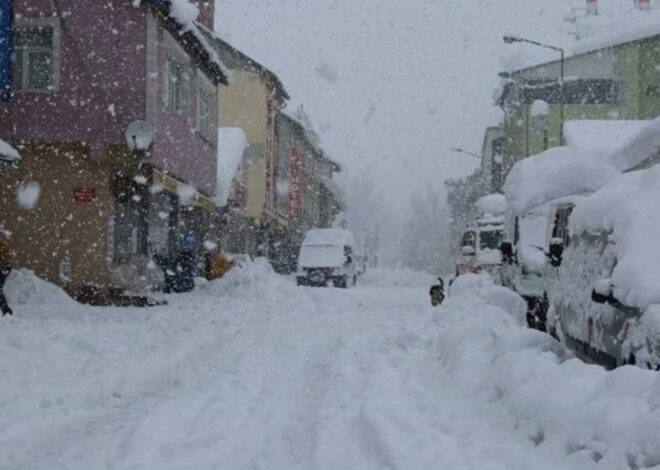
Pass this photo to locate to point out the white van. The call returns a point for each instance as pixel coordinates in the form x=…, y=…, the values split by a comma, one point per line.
x=327, y=257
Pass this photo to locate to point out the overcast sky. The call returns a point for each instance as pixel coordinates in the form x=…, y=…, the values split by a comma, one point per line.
x=389, y=78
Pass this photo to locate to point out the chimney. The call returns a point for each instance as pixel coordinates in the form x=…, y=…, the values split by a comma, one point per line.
x=643, y=4
x=592, y=7
x=206, y=12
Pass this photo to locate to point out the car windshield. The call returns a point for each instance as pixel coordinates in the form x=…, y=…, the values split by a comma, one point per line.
x=490, y=239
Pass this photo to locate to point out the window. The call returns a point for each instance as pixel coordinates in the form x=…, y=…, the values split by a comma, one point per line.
x=560, y=226
x=490, y=240
x=586, y=91
x=174, y=90
x=204, y=113
x=469, y=239
x=35, y=55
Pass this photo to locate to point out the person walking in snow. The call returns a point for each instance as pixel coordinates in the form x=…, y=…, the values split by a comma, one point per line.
x=6, y=262
x=437, y=293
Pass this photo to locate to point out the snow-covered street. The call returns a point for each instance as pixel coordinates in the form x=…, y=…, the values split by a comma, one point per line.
x=252, y=372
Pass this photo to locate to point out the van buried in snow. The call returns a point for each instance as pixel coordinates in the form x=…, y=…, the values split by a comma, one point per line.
x=327, y=257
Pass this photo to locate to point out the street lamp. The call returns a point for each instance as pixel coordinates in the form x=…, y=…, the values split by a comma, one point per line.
x=508, y=39
x=460, y=150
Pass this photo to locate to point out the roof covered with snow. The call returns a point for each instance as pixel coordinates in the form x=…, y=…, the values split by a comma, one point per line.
x=328, y=236
x=618, y=30
x=555, y=173
x=236, y=59
x=231, y=145
x=626, y=208
x=618, y=22
x=8, y=153
x=183, y=14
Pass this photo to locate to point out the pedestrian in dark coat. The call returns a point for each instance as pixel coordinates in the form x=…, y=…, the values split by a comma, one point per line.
x=437, y=293
x=6, y=263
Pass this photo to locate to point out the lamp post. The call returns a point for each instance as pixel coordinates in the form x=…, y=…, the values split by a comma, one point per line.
x=460, y=150
x=515, y=39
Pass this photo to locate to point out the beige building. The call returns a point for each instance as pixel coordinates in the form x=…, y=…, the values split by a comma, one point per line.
x=251, y=102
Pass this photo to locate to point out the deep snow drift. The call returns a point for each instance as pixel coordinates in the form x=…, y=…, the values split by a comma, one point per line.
x=252, y=372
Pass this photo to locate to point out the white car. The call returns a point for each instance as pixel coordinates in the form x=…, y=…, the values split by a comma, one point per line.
x=327, y=257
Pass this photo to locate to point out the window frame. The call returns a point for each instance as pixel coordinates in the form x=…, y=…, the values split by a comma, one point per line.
x=205, y=88
x=179, y=108
x=27, y=23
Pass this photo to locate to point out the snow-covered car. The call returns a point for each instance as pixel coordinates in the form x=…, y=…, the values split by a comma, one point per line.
x=541, y=191
x=327, y=257
x=480, y=247
x=605, y=303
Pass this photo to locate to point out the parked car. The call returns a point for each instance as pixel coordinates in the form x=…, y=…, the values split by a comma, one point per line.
x=541, y=191
x=327, y=257
x=603, y=299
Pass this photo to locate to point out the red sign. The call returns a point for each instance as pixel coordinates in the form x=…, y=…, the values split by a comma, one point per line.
x=84, y=194
x=295, y=182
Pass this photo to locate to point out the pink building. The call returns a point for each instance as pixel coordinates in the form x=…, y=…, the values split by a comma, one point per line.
x=83, y=71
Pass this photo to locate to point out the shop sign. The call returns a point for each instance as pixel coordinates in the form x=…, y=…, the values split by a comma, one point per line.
x=295, y=188
x=84, y=194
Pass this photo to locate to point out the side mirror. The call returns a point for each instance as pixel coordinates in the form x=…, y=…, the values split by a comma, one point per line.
x=602, y=293
x=599, y=298
x=468, y=250
x=556, y=252
x=507, y=252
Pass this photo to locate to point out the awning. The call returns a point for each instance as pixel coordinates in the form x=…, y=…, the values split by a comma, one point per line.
x=174, y=186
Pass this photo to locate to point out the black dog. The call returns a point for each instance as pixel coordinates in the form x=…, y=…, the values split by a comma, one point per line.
x=437, y=293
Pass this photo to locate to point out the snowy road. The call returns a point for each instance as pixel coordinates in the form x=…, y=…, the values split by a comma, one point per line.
x=239, y=377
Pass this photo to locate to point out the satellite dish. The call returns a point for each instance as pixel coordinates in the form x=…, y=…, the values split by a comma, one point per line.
x=139, y=135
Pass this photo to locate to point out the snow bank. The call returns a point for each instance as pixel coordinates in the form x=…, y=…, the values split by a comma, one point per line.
x=555, y=173
x=626, y=207
x=231, y=145
x=24, y=288
x=604, y=419
x=7, y=152
x=398, y=277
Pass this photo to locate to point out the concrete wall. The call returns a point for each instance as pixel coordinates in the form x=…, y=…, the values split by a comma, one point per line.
x=59, y=228
x=244, y=104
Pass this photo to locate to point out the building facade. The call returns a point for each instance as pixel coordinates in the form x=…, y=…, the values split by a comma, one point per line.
x=107, y=205
x=615, y=82
x=251, y=103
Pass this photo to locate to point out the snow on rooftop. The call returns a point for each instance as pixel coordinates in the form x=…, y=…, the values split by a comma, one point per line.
x=555, y=173
x=184, y=13
x=626, y=208
x=615, y=27
x=328, y=236
x=231, y=145
x=8, y=153
x=601, y=135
